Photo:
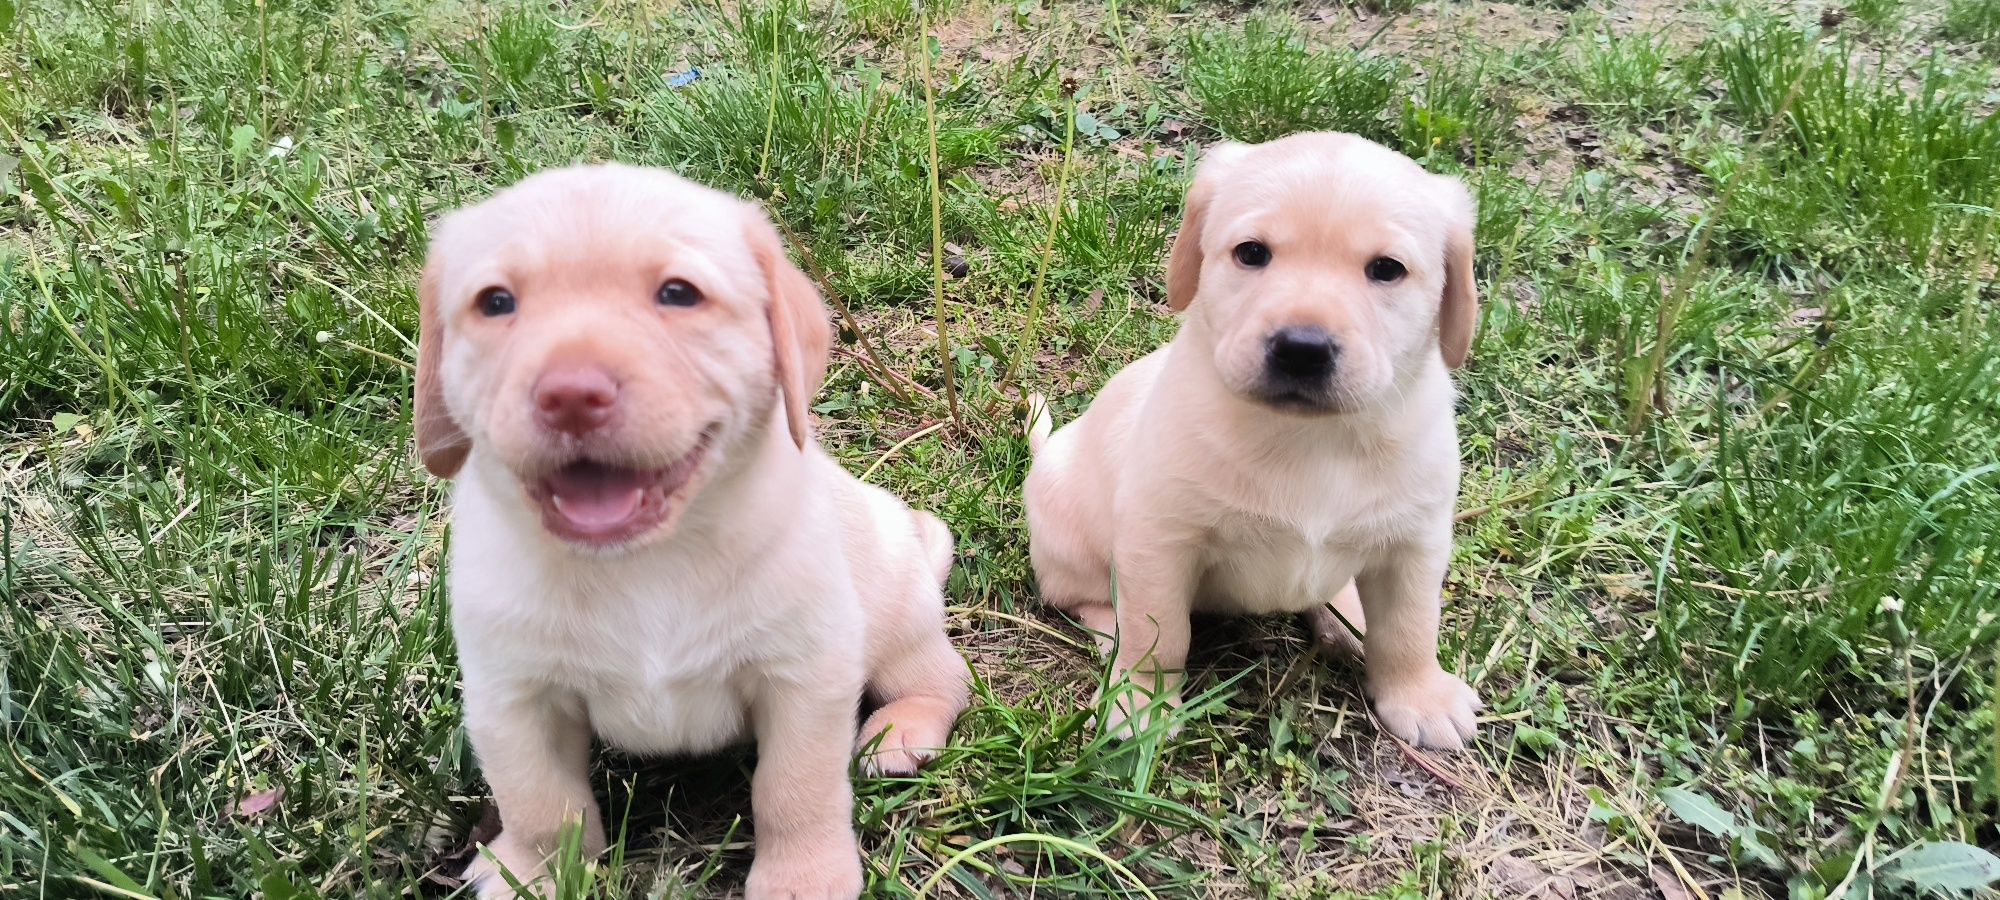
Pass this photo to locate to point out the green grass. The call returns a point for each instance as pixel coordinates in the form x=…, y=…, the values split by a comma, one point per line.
x=1867, y=166
x=1973, y=21
x=1260, y=80
x=1630, y=74
x=222, y=572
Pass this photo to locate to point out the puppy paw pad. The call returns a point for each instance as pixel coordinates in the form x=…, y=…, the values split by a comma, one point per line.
x=1435, y=711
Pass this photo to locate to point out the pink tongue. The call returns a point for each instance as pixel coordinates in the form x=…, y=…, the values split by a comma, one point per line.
x=595, y=496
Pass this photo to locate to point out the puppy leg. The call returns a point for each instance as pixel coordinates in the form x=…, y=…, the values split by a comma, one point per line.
x=913, y=672
x=1155, y=589
x=1415, y=698
x=535, y=752
x=1067, y=546
x=1330, y=632
x=935, y=537
x=1078, y=587
x=1101, y=620
x=800, y=796
x=922, y=685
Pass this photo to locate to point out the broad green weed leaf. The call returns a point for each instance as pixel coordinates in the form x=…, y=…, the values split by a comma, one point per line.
x=1944, y=866
x=1539, y=740
x=240, y=142
x=1702, y=812
x=1698, y=810
x=1756, y=851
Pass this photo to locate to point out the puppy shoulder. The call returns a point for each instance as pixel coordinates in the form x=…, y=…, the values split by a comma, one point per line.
x=1115, y=411
x=867, y=511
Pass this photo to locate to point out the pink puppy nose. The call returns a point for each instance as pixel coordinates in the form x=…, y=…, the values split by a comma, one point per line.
x=575, y=399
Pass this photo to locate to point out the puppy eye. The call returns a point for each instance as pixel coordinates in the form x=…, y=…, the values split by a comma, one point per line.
x=1253, y=255
x=495, y=302
x=679, y=293
x=1385, y=270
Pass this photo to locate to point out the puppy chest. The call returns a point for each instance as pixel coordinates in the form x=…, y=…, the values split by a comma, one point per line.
x=1272, y=569
x=669, y=716
x=649, y=685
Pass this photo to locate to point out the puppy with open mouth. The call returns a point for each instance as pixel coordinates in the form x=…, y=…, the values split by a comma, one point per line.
x=1292, y=449
x=649, y=546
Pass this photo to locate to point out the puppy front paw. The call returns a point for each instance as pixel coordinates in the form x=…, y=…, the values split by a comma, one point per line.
x=900, y=738
x=830, y=871
x=1131, y=712
x=1433, y=709
x=522, y=863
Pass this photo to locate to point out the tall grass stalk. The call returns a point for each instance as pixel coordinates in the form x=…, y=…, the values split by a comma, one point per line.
x=1048, y=253
x=771, y=107
x=937, y=223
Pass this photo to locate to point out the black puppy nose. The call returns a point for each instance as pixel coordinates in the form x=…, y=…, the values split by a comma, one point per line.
x=1301, y=352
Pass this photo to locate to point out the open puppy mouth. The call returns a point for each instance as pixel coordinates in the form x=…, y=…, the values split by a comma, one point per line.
x=594, y=502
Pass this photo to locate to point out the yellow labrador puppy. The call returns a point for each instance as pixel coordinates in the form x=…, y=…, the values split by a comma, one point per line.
x=615, y=363
x=1293, y=443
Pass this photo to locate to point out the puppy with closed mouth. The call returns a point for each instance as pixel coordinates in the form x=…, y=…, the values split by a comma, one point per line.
x=615, y=364
x=1292, y=449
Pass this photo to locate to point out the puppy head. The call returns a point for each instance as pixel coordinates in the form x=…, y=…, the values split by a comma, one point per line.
x=1324, y=269
x=611, y=335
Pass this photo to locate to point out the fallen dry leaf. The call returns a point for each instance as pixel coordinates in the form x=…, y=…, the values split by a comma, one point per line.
x=259, y=803
x=1670, y=887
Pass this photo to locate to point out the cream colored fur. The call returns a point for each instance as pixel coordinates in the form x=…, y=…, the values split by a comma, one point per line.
x=775, y=592
x=1196, y=493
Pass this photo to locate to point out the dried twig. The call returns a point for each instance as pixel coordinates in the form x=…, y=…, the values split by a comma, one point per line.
x=884, y=375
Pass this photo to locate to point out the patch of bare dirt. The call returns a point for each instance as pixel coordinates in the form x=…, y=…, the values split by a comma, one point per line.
x=1432, y=27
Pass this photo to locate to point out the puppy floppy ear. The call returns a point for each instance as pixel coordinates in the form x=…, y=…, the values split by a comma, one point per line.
x=1184, y=261
x=801, y=336
x=1458, y=311
x=441, y=444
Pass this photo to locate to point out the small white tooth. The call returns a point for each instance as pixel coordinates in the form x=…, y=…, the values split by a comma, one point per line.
x=559, y=504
